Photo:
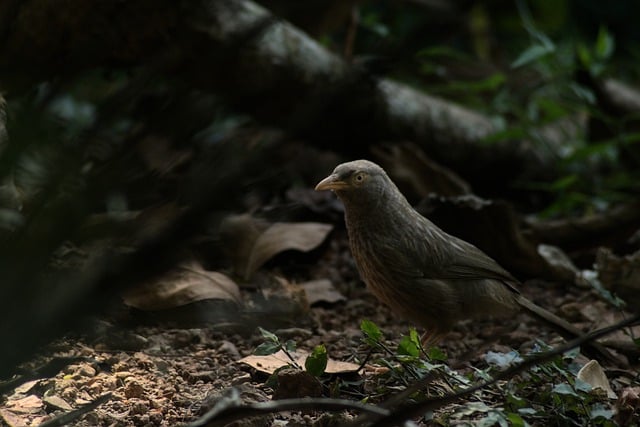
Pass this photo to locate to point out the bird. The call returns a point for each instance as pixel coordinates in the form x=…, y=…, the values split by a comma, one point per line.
x=422, y=273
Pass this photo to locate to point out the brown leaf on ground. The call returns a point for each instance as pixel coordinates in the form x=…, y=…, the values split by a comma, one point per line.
x=628, y=406
x=322, y=291
x=620, y=275
x=269, y=364
x=252, y=241
x=593, y=374
x=26, y=405
x=186, y=284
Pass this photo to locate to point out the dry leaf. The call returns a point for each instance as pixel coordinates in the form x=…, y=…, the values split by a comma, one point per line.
x=27, y=405
x=283, y=236
x=250, y=242
x=628, y=406
x=620, y=275
x=592, y=374
x=269, y=364
x=57, y=402
x=321, y=291
x=184, y=285
x=12, y=419
x=239, y=233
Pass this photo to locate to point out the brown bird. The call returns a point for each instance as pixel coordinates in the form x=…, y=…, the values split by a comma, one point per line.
x=422, y=273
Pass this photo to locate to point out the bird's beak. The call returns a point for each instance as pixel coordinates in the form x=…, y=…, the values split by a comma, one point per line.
x=332, y=182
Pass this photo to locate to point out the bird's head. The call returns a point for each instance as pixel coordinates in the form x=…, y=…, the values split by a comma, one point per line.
x=359, y=182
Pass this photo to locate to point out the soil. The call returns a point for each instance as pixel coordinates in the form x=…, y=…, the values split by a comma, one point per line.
x=160, y=375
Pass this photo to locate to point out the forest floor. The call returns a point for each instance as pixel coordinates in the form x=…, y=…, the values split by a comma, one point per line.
x=166, y=376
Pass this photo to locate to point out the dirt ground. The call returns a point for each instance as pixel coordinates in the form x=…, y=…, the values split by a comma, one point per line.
x=162, y=375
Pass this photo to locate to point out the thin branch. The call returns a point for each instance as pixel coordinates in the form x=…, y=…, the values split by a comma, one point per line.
x=406, y=412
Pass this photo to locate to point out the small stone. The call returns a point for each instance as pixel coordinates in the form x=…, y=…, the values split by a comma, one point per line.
x=293, y=383
x=133, y=390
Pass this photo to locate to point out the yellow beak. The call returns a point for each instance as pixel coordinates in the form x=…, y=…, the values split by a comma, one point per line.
x=332, y=182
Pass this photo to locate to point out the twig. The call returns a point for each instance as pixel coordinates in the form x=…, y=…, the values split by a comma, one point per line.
x=229, y=410
x=405, y=412
x=67, y=418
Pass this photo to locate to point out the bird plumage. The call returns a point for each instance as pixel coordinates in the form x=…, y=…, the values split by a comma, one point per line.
x=421, y=272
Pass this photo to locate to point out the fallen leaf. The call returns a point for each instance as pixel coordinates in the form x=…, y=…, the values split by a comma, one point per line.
x=250, y=241
x=620, y=275
x=593, y=374
x=269, y=364
x=57, y=402
x=628, y=405
x=27, y=405
x=322, y=291
x=26, y=387
x=283, y=236
x=185, y=284
x=12, y=419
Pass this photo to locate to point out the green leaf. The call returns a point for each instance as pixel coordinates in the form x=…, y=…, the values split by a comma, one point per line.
x=515, y=401
x=436, y=353
x=266, y=348
x=290, y=346
x=599, y=410
x=564, y=389
x=269, y=336
x=605, y=44
x=408, y=347
x=316, y=362
x=532, y=54
x=371, y=332
x=515, y=420
x=584, y=55
x=582, y=385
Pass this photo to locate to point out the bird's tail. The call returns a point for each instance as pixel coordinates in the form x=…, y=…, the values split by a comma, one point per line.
x=568, y=331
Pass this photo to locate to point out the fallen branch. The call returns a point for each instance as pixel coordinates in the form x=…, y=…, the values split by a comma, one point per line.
x=279, y=75
x=230, y=409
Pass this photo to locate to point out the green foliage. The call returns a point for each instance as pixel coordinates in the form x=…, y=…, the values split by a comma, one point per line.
x=547, y=394
x=316, y=362
x=372, y=333
x=270, y=346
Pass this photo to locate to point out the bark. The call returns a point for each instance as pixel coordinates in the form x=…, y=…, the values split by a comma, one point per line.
x=260, y=65
x=602, y=229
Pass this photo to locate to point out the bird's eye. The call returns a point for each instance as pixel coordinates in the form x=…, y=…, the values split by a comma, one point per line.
x=359, y=177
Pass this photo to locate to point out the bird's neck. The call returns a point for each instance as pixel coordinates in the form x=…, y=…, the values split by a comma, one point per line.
x=373, y=213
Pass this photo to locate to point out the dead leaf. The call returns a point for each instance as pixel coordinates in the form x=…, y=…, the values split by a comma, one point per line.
x=283, y=236
x=186, y=284
x=628, y=405
x=321, y=291
x=250, y=242
x=239, y=233
x=269, y=364
x=12, y=419
x=620, y=275
x=26, y=387
x=558, y=259
x=27, y=405
x=592, y=374
x=57, y=402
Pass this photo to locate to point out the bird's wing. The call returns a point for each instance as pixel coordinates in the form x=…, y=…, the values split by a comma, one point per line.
x=463, y=261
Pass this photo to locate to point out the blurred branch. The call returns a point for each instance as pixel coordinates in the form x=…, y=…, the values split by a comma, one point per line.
x=599, y=229
x=271, y=70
